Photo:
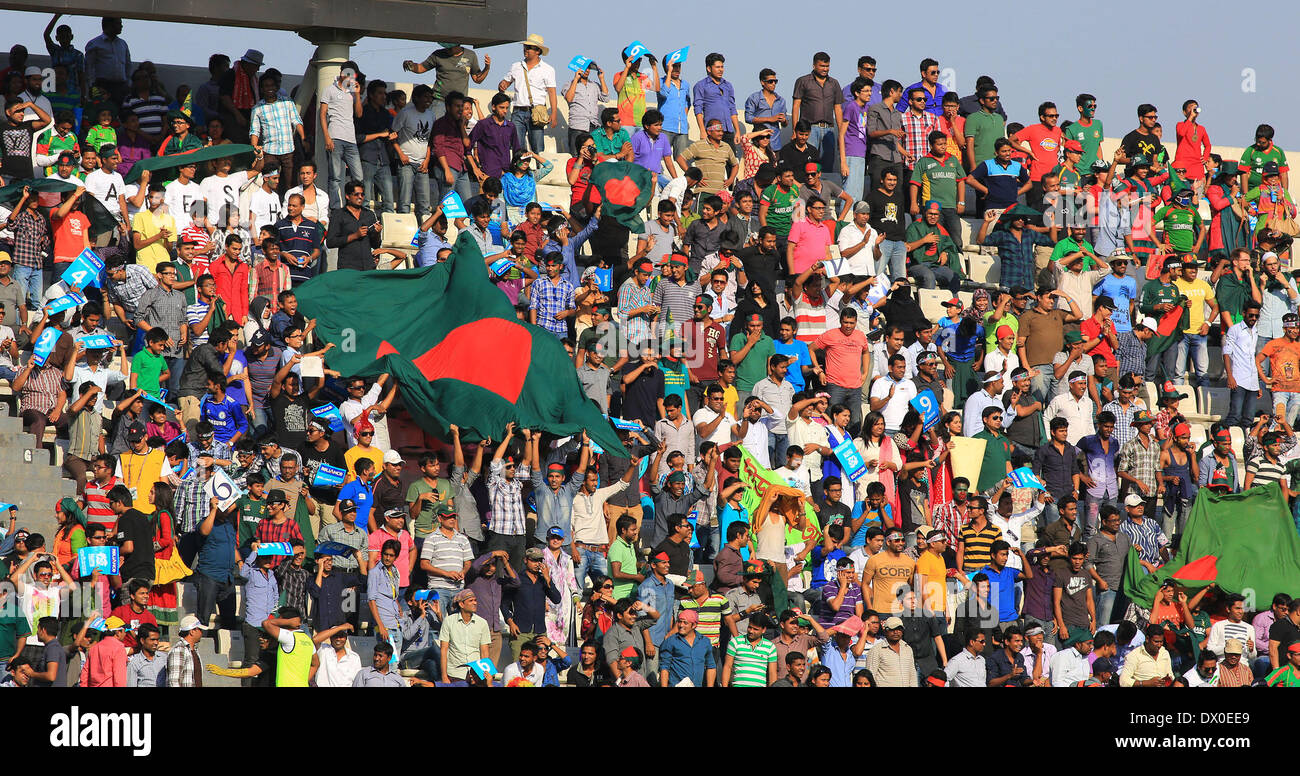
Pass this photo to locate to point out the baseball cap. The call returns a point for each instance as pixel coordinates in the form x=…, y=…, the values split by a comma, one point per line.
x=392, y=456
x=34, y=70
x=135, y=432
x=555, y=532
x=892, y=623
x=1270, y=168
x=1103, y=665
x=1232, y=647
x=1291, y=319
x=189, y=622
x=1074, y=145
x=954, y=302
x=259, y=339
x=114, y=624
x=1139, y=160
x=1073, y=336
x=1134, y=500
x=533, y=553
x=1148, y=323
x=694, y=577
x=347, y=505
x=5, y=257
x=1105, y=301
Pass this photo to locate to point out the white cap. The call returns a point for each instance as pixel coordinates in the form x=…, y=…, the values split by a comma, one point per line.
x=31, y=70
x=1134, y=500
x=1148, y=322
x=392, y=456
x=189, y=622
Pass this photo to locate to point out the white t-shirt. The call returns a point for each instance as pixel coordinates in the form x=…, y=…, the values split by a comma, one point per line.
x=107, y=187
x=896, y=409
x=413, y=128
x=864, y=261
x=221, y=197
x=340, y=112
x=351, y=410
x=264, y=209
x=535, y=675
x=1005, y=364
x=181, y=199
x=722, y=433
x=334, y=672
x=796, y=478
x=318, y=211
x=540, y=78
x=755, y=442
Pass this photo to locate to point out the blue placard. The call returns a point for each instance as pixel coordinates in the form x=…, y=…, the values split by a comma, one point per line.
x=484, y=667
x=84, y=270
x=636, y=49
x=453, y=207
x=1024, y=477
x=66, y=302
x=327, y=476
x=424, y=595
x=928, y=406
x=579, y=63
x=97, y=342
x=851, y=459
x=332, y=414
x=334, y=549
x=642, y=467
x=673, y=57
x=626, y=425
x=105, y=560
x=605, y=279
x=693, y=519
x=156, y=399
x=501, y=266
x=45, y=345
x=597, y=449
x=5, y=507
x=266, y=549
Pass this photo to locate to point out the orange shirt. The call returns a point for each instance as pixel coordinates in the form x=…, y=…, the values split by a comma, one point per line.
x=71, y=236
x=1284, y=357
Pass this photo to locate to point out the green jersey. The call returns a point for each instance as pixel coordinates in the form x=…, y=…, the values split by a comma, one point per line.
x=1069, y=178
x=937, y=179
x=1182, y=225
x=985, y=128
x=780, y=208
x=1089, y=137
x=1253, y=161
x=251, y=512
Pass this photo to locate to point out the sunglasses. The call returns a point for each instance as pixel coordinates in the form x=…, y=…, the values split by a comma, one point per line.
x=770, y=81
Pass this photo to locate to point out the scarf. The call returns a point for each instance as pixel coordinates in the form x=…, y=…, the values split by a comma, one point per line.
x=243, y=96
x=517, y=190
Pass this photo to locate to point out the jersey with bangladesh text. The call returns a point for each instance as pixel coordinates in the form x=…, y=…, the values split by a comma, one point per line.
x=1181, y=226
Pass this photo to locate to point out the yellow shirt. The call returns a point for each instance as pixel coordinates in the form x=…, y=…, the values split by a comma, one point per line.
x=139, y=473
x=358, y=452
x=935, y=594
x=149, y=224
x=1198, y=293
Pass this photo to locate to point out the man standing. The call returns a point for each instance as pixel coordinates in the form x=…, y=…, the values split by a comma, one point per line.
x=274, y=124
x=1107, y=553
x=1139, y=462
x=340, y=106
x=1041, y=142
x=818, y=99
x=184, y=668
x=885, y=134
x=354, y=230
x=751, y=661
x=715, y=100
x=534, y=94
x=890, y=659
x=984, y=128
x=164, y=306
x=1240, y=347
x=455, y=66
x=1283, y=355
x=938, y=176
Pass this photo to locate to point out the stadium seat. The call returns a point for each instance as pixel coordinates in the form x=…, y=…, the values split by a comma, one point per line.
x=1190, y=407
x=931, y=301
x=399, y=230
x=1213, y=401
x=1238, y=442
x=1148, y=394
x=982, y=269
x=1200, y=433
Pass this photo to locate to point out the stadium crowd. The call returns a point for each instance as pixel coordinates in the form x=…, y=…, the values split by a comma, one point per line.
x=978, y=477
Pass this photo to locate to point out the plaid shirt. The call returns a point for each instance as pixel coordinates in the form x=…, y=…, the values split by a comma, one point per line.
x=127, y=293
x=166, y=310
x=268, y=531
x=31, y=238
x=1141, y=462
x=630, y=297
x=41, y=391
x=220, y=451
x=1124, y=431
x=273, y=123
x=549, y=300
x=189, y=504
x=507, y=499
x=1016, y=257
x=183, y=667
x=293, y=584
x=1132, y=353
x=917, y=129
x=270, y=280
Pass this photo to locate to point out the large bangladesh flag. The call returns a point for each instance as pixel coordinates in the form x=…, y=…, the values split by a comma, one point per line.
x=1250, y=536
x=625, y=190
x=453, y=342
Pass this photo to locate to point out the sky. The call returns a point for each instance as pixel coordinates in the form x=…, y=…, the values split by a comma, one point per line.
x=1234, y=65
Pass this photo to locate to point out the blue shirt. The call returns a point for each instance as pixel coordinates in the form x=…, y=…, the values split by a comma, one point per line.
x=653, y=595
x=554, y=507
x=841, y=666
x=526, y=604
x=570, y=251
x=216, y=556
x=822, y=563
x=933, y=104
x=794, y=372
x=1003, y=586
x=729, y=516
x=1122, y=291
x=674, y=102
x=226, y=416
x=1003, y=183
x=650, y=153
x=429, y=243
x=359, y=492
x=261, y=593
x=715, y=101
x=756, y=107
x=684, y=660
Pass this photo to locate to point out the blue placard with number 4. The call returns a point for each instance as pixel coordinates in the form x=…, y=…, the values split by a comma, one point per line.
x=84, y=270
x=928, y=407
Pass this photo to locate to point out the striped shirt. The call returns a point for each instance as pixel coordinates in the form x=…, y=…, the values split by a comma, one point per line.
x=631, y=296
x=978, y=545
x=810, y=318
x=446, y=555
x=1146, y=535
x=97, y=508
x=711, y=612
x=750, y=661
x=1265, y=471
x=273, y=124
x=506, y=497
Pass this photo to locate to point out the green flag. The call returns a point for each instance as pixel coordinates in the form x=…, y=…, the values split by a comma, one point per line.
x=625, y=190
x=100, y=219
x=454, y=344
x=205, y=154
x=1252, y=536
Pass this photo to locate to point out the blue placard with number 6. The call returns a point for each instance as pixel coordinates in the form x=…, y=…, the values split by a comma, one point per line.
x=928, y=406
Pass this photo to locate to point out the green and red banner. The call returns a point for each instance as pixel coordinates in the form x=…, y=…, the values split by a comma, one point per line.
x=625, y=190
x=452, y=340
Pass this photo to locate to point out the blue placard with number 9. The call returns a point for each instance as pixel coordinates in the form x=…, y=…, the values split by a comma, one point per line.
x=928, y=406
x=45, y=345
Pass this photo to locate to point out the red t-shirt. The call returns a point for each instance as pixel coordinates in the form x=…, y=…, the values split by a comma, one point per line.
x=71, y=236
x=1090, y=329
x=133, y=621
x=579, y=189
x=704, y=344
x=843, y=356
x=1046, y=145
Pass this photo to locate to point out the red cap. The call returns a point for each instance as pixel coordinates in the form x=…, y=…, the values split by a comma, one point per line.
x=1005, y=331
x=678, y=259
x=1074, y=145
x=661, y=556
x=811, y=167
